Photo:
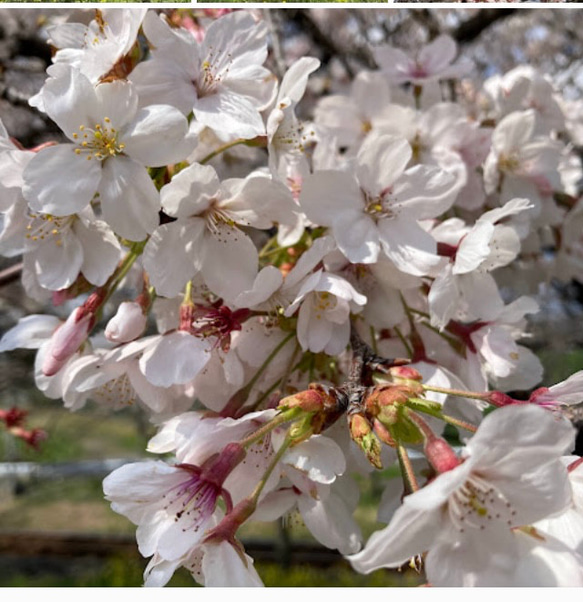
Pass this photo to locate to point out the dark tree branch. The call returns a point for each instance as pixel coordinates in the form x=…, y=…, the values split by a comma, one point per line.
x=469, y=30
x=10, y=274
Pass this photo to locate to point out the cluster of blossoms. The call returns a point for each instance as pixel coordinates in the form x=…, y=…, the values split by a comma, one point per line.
x=296, y=303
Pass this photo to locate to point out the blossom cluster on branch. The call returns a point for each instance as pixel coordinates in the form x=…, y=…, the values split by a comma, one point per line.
x=294, y=303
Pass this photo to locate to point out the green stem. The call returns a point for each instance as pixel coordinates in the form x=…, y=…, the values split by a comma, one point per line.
x=268, y=360
x=135, y=251
x=404, y=341
x=456, y=392
x=274, y=462
x=222, y=149
x=459, y=423
x=282, y=418
x=409, y=478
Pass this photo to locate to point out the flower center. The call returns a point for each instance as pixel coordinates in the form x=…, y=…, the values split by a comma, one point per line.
x=477, y=504
x=291, y=136
x=323, y=302
x=379, y=207
x=99, y=142
x=43, y=227
x=213, y=71
x=509, y=163
x=116, y=393
x=193, y=500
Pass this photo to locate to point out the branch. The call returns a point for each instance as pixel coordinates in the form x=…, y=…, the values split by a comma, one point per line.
x=469, y=30
x=10, y=274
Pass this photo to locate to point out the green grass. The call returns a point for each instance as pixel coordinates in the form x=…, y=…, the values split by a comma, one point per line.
x=125, y=571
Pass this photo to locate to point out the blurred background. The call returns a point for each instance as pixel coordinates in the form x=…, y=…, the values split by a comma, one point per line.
x=55, y=527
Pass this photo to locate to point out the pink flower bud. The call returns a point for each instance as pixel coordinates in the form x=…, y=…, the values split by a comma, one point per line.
x=128, y=323
x=440, y=454
x=66, y=340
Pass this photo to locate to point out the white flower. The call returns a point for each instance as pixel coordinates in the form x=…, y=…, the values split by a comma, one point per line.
x=95, y=48
x=221, y=80
x=311, y=470
x=379, y=205
x=464, y=287
x=432, y=62
x=172, y=505
x=567, y=527
x=111, y=143
x=287, y=138
x=206, y=238
x=511, y=476
x=325, y=302
x=518, y=159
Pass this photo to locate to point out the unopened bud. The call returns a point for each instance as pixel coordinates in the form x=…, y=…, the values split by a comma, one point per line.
x=405, y=373
x=309, y=401
x=386, y=396
x=361, y=433
x=66, y=340
x=382, y=432
x=440, y=454
x=128, y=323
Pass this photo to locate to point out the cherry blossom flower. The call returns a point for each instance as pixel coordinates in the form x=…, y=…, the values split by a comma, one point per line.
x=325, y=302
x=205, y=237
x=434, y=61
x=221, y=80
x=111, y=143
x=94, y=49
x=379, y=205
x=464, y=517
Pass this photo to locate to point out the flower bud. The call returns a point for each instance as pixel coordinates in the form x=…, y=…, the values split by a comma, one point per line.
x=67, y=339
x=440, y=454
x=128, y=323
x=361, y=433
x=309, y=401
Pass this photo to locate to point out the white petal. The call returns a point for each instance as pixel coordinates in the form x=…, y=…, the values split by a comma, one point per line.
x=230, y=262
x=381, y=161
x=222, y=556
x=175, y=360
x=411, y=532
x=129, y=199
x=57, y=265
x=30, y=332
x=101, y=251
x=179, y=244
x=60, y=182
x=191, y=191
x=157, y=136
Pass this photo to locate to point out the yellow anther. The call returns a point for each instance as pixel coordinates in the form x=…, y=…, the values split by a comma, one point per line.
x=75, y=136
x=77, y=151
x=81, y=127
x=107, y=120
x=55, y=231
